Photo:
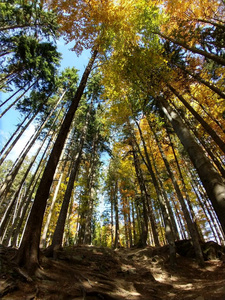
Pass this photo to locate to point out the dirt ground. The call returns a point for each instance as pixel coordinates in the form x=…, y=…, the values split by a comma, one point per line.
x=91, y=273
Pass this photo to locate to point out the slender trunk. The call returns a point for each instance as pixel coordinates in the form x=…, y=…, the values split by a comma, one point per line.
x=203, y=81
x=218, y=59
x=90, y=188
x=17, y=191
x=125, y=225
x=59, y=230
x=204, y=124
x=19, y=127
x=133, y=223
x=12, y=174
x=166, y=218
x=4, y=28
x=208, y=114
x=168, y=206
x=46, y=226
x=16, y=100
x=152, y=221
x=211, y=179
x=192, y=214
x=28, y=253
x=111, y=215
x=209, y=218
x=129, y=226
x=116, y=208
x=216, y=24
x=146, y=202
x=16, y=214
x=3, y=103
x=179, y=220
x=190, y=223
x=12, y=75
x=144, y=220
x=28, y=196
x=17, y=138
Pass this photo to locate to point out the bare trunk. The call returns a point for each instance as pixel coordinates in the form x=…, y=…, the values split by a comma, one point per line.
x=211, y=179
x=190, y=223
x=16, y=139
x=204, y=124
x=46, y=226
x=16, y=100
x=28, y=253
x=12, y=174
x=168, y=226
x=116, y=208
x=59, y=230
x=144, y=220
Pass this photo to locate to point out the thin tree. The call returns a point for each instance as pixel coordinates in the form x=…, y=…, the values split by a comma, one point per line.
x=28, y=253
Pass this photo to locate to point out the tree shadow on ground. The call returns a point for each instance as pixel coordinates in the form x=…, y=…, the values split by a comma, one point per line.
x=86, y=272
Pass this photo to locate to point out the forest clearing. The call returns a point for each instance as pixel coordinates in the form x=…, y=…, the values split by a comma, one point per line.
x=119, y=191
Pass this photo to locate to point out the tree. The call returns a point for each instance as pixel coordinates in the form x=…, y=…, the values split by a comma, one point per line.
x=28, y=254
x=210, y=178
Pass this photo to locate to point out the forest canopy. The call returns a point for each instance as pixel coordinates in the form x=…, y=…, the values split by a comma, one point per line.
x=133, y=152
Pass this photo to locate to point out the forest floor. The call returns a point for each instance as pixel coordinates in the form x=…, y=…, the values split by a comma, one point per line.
x=91, y=273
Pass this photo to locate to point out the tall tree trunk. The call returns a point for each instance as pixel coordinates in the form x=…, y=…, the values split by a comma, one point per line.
x=28, y=196
x=212, y=155
x=16, y=100
x=111, y=216
x=190, y=223
x=203, y=81
x=129, y=225
x=17, y=191
x=144, y=220
x=59, y=230
x=28, y=253
x=90, y=188
x=46, y=226
x=211, y=179
x=17, y=138
x=12, y=174
x=19, y=128
x=218, y=59
x=204, y=124
x=168, y=226
x=14, y=94
x=146, y=201
x=133, y=223
x=167, y=202
x=192, y=214
x=116, y=208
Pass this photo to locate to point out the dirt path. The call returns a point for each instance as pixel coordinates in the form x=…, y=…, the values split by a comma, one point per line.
x=100, y=273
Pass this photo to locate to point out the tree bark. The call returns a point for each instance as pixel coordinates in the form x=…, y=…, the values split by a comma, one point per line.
x=12, y=174
x=28, y=253
x=59, y=230
x=204, y=124
x=211, y=179
x=168, y=226
x=116, y=208
x=190, y=223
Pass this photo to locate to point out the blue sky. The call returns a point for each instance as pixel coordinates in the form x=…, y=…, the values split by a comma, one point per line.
x=9, y=121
